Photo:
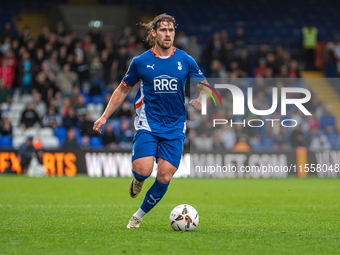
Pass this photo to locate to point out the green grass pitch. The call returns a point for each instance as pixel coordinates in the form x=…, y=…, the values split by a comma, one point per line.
x=237, y=216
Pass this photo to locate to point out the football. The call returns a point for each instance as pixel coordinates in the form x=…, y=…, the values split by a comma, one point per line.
x=184, y=218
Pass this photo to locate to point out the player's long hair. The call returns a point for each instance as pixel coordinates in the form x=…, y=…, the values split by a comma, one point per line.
x=153, y=25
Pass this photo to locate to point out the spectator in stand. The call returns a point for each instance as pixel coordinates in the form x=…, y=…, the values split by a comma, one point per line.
x=39, y=57
x=71, y=140
x=26, y=152
x=234, y=68
x=5, y=93
x=66, y=79
x=125, y=134
x=64, y=106
x=74, y=96
x=78, y=50
x=5, y=126
x=312, y=122
x=82, y=69
x=62, y=56
x=120, y=64
x=26, y=70
x=87, y=126
x=6, y=32
x=29, y=117
x=106, y=59
x=81, y=109
x=124, y=39
x=95, y=35
x=182, y=41
x=194, y=49
x=125, y=110
x=217, y=69
x=85, y=143
x=281, y=140
x=49, y=75
x=294, y=71
x=260, y=70
x=7, y=68
x=131, y=45
x=71, y=119
x=217, y=144
x=244, y=62
x=284, y=72
x=272, y=63
x=31, y=48
x=96, y=76
x=52, y=118
x=38, y=105
x=141, y=36
x=239, y=41
x=228, y=136
x=43, y=37
x=44, y=88
x=216, y=49
x=25, y=37
x=203, y=142
x=109, y=138
x=93, y=52
x=6, y=45
x=328, y=120
x=318, y=142
x=53, y=63
x=309, y=43
x=261, y=53
x=297, y=137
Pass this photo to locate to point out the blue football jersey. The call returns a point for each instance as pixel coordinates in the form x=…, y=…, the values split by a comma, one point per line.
x=160, y=101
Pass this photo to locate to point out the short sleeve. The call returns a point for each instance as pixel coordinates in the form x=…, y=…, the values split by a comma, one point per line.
x=131, y=77
x=195, y=74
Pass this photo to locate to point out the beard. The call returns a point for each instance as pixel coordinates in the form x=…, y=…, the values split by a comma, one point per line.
x=163, y=45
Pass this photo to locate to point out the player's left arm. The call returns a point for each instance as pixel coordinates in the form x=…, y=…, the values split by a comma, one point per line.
x=199, y=81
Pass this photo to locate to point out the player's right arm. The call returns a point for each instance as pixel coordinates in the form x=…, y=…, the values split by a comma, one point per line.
x=118, y=96
x=116, y=100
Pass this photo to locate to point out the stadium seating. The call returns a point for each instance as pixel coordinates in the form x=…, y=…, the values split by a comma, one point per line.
x=6, y=142
x=96, y=142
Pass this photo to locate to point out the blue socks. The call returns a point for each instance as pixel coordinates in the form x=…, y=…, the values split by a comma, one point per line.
x=154, y=195
x=139, y=177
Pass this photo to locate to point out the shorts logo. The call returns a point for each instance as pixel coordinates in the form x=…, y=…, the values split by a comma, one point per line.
x=179, y=65
x=165, y=84
x=200, y=72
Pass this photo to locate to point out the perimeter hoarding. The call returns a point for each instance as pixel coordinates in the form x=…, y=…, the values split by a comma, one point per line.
x=299, y=163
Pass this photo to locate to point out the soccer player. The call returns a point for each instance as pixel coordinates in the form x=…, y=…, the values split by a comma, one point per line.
x=160, y=110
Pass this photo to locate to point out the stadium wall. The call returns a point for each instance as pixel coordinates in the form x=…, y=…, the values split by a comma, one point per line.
x=301, y=163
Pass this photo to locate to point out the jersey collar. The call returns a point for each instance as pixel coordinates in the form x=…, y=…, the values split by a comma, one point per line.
x=154, y=53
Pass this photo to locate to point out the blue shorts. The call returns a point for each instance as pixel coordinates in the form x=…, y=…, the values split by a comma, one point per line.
x=146, y=144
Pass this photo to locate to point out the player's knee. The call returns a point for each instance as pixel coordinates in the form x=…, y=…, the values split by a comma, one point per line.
x=164, y=178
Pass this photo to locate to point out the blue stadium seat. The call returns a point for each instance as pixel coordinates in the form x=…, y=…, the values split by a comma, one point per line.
x=96, y=142
x=98, y=99
x=60, y=133
x=6, y=141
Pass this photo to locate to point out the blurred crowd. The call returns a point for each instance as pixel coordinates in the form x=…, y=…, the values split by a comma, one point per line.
x=65, y=73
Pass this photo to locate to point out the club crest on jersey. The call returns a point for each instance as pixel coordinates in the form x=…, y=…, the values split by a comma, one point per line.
x=165, y=84
x=179, y=65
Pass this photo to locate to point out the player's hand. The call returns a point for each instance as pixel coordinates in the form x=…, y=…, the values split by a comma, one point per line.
x=100, y=122
x=196, y=104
